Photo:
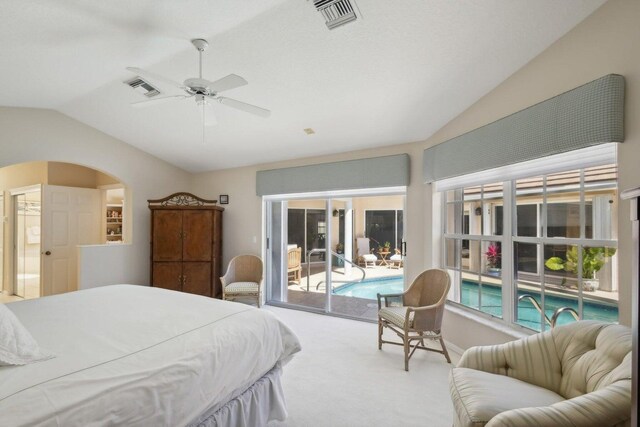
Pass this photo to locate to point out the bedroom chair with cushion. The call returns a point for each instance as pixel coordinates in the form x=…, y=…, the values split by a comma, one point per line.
x=573, y=375
x=419, y=315
x=243, y=278
x=363, y=253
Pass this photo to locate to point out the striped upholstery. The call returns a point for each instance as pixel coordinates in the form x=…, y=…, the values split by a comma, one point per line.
x=587, y=364
x=241, y=288
x=396, y=315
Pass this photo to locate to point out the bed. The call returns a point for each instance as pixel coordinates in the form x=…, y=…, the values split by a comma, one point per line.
x=140, y=356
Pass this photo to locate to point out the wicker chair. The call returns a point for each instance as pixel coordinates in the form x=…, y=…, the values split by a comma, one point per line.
x=243, y=278
x=294, y=268
x=419, y=316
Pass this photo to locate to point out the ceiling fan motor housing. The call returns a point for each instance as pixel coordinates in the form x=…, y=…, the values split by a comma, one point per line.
x=198, y=86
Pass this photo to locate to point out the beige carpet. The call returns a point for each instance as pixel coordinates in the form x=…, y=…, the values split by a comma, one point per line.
x=341, y=378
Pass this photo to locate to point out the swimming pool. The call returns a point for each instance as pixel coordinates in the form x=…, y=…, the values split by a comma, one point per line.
x=369, y=288
x=491, y=300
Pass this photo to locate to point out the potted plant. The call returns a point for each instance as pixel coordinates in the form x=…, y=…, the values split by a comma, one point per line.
x=340, y=248
x=387, y=246
x=493, y=254
x=593, y=259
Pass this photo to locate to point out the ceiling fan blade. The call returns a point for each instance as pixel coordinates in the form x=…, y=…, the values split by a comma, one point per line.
x=208, y=115
x=243, y=106
x=156, y=101
x=155, y=77
x=231, y=81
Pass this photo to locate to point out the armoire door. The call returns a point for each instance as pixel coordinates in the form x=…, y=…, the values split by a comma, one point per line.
x=167, y=235
x=196, y=278
x=197, y=228
x=167, y=275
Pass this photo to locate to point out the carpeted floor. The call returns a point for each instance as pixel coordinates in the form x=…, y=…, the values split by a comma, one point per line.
x=341, y=378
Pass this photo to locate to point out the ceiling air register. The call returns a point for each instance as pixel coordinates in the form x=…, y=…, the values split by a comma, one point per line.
x=336, y=12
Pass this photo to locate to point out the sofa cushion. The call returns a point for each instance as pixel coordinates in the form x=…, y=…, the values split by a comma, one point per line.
x=479, y=396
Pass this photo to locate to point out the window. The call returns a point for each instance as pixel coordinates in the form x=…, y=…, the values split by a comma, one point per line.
x=533, y=248
x=383, y=226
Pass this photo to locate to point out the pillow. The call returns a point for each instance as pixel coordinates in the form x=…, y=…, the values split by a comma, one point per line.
x=17, y=346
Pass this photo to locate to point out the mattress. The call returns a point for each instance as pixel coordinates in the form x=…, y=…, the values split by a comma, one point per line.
x=140, y=356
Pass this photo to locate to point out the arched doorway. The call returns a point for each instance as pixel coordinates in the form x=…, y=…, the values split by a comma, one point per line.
x=48, y=210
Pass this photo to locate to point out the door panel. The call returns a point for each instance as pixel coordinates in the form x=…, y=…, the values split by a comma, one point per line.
x=70, y=217
x=167, y=235
x=167, y=275
x=197, y=227
x=197, y=278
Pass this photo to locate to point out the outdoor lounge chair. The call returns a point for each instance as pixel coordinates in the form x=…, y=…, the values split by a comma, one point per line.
x=294, y=269
x=243, y=278
x=363, y=252
x=419, y=316
x=396, y=260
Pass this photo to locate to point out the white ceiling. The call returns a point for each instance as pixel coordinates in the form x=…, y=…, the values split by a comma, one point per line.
x=396, y=75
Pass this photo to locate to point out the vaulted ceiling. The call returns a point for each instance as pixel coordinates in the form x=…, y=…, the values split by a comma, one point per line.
x=397, y=74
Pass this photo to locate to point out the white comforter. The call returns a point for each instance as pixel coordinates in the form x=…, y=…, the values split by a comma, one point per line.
x=133, y=355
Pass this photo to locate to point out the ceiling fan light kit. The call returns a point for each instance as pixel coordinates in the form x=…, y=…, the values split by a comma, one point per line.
x=203, y=90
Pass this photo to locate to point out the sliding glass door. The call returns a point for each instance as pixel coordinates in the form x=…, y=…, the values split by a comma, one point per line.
x=328, y=254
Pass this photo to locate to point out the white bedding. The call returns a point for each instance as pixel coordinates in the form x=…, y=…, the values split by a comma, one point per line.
x=133, y=355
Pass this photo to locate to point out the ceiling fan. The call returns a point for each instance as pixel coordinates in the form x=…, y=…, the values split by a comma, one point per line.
x=204, y=91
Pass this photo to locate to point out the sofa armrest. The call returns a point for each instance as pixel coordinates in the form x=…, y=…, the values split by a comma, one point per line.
x=487, y=358
x=609, y=406
x=533, y=360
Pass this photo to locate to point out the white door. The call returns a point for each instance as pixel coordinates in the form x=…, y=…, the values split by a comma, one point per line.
x=70, y=217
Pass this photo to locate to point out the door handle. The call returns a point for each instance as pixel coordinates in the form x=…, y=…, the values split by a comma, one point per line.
x=404, y=248
x=47, y=253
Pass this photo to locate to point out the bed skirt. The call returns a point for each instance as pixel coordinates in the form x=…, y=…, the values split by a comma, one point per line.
x=262, y=402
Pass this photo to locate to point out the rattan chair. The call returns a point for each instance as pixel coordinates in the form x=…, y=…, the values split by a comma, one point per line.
x=243, y=278
x=419, y=314
x=294, y=267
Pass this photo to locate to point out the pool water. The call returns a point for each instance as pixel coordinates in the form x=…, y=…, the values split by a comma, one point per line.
x=369, y=288
x=527, y=314
x=491, y=300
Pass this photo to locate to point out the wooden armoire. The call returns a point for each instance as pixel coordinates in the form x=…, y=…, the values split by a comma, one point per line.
x=186, y=244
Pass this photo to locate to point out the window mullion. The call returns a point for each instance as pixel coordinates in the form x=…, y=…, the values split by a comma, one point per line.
x=508, y=197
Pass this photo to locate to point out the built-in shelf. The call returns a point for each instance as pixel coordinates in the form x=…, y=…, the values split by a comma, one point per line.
x=114, y=222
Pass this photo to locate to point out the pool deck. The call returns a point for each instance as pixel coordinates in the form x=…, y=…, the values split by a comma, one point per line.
x=352, y=306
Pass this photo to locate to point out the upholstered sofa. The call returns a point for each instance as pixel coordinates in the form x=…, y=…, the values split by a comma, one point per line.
x=573, y=375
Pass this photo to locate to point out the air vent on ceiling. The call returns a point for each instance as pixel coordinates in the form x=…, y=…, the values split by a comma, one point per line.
x=142, y=86
x=336, y=12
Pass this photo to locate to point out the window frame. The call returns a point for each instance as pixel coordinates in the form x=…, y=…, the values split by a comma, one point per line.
x=509, y=238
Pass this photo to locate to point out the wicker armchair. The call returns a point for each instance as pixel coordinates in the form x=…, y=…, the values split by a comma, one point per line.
x=419, y=316
x=294, y=267
x=243, y=278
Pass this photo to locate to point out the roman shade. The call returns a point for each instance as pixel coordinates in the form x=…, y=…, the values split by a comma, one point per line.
x=377, y=172
x=588, y=115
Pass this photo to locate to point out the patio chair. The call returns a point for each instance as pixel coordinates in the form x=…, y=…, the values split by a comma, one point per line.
x=294, y=268
x=243, y=278
x=363, y=253
x=396, y=260
x=419, y=316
